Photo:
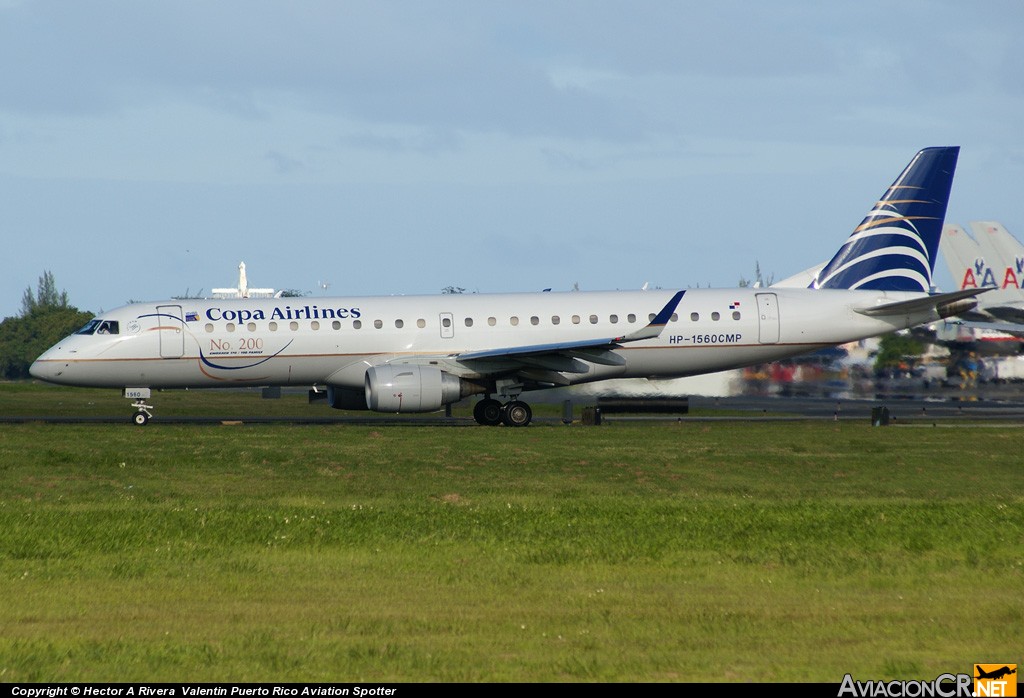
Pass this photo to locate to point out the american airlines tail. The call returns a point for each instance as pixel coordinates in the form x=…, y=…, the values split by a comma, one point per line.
x=965, y=260
x=1004, y=253
x=991, y=261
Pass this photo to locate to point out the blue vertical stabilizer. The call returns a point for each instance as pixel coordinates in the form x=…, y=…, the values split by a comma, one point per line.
x=895, y=246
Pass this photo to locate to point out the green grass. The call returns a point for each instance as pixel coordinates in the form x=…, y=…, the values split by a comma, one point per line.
x=630, y=552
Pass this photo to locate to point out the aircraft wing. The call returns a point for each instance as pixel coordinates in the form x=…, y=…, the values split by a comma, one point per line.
x=547, y=362
x=651, y=330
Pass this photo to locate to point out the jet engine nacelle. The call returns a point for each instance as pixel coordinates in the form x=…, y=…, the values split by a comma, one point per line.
x=410, y=388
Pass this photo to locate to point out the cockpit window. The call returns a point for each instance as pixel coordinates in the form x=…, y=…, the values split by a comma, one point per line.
x=90, y=326
x=98, y=326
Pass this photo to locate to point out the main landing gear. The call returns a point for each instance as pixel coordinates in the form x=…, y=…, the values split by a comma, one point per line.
x=489, y=412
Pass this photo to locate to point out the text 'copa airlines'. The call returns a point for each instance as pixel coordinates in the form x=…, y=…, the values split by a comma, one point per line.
x=306, y=312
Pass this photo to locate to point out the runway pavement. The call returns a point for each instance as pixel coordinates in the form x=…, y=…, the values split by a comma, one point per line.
x=702, y=409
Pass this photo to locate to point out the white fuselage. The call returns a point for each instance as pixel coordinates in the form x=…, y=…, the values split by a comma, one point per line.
x=332, y=341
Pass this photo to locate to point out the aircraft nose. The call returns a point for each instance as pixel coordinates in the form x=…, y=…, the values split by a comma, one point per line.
x=39, y=369
x=47, y=368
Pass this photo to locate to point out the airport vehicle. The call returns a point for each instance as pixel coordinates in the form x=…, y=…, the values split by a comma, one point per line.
x=419, y=353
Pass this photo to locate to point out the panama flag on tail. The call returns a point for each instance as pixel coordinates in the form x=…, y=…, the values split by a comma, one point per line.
x=895, y=246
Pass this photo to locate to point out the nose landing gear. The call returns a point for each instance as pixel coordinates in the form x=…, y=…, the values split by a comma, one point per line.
x=142, y=410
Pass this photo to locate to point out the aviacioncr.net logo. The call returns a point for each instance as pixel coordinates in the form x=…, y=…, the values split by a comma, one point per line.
x=944, y=686
x=995, y=680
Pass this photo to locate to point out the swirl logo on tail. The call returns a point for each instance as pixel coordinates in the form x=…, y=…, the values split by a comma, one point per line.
x=895, y=246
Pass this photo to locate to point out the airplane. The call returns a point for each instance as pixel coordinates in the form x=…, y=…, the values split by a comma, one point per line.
x=967, y=264
x=1006, y=258
x=420, y=353
x=992, y=260
x=994, y=674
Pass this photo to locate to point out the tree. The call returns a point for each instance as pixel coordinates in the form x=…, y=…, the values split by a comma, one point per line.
x=46, y=317
x=895, y=349
x=449, y=290
x=46, y=296
x=759, y=281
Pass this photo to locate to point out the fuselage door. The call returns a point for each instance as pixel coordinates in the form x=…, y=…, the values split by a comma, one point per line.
x=447, y=326
x=171, y=331
x=768, y=318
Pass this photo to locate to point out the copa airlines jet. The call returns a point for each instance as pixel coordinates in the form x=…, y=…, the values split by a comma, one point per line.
x=417, y=354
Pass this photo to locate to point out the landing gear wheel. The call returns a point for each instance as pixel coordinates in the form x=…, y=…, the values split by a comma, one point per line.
x=517, y=414
x=487, y=412
x=142, y=412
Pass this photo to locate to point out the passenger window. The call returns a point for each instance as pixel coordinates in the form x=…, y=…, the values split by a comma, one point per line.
x=446, y=322
x=593, y=319
x=514, y=321
x=694, y=317
x=336, y=325
x=492, y=321
x=650, y=318
x=555, y=320
x=293, y=326
x=273, y=327
x=399, y=324
x=575, y=319
x=209, y=327
x=716, y=316
x=421, y=323
x=357, y=324
x=469, y=322
x=378, y=324
x=675, y=316
x=251, y=327
x=735, y=315
x=614, y=319
x=534, y=320
x=231, y=327
x=631, y=318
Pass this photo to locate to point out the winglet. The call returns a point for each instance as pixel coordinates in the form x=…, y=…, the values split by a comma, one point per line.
x=655, y=326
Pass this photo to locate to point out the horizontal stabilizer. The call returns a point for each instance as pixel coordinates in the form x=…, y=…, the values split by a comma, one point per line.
x=1010, y=328
x=944, y=304
x=1006, y=313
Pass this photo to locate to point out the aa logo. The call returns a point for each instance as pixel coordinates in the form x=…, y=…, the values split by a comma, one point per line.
x=995, y=680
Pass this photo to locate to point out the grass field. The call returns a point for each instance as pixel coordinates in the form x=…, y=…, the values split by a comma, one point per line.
x=627, y=552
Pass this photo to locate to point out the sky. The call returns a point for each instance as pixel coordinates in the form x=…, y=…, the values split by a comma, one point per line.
x=359, y=148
